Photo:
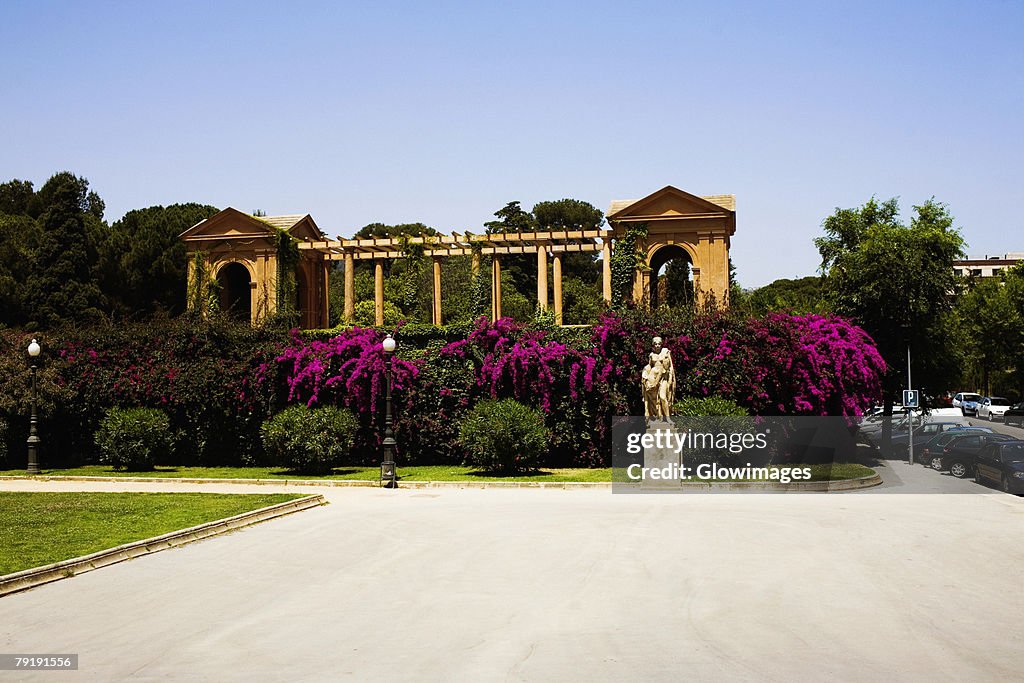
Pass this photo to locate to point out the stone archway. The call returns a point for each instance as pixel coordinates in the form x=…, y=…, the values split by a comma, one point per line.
x=672, y=280
x=253, y=242
x=699, y=226
x=235, y=284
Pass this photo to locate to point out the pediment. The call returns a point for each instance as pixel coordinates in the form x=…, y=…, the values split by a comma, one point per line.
x=234, y=224
x=306, y=229
x=229, y=223
x=671, y=202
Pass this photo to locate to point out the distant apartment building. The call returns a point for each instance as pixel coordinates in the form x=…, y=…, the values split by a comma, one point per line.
x=987, y=266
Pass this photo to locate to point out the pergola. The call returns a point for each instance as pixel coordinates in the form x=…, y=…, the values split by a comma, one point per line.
x=438, y=247
x=239, y=251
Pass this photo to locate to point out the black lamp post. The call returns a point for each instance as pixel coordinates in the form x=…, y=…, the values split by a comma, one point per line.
x=388, y=476
x=33, y=436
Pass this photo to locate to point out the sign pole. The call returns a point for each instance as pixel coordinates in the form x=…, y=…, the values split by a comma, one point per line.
x=910, y=413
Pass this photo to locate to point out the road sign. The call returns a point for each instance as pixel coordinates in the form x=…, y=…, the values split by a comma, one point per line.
x=911, y=398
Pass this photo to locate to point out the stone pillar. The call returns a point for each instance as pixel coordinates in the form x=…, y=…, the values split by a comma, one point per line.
x=437, y=290
x=495, y=288
x=542, y=277
x=378, y=292
x=558, y=286
x=325, y=293
x=606, y=269
x=350, y=288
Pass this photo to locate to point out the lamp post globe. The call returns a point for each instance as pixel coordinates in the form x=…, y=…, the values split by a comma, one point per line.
x=388, y=475
x=33, y=435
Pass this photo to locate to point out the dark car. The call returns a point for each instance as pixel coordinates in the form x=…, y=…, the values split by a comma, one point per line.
x=1015, y=415
x=1003, y=464
x=923, y=433
x=959, y=454
x=933, y=449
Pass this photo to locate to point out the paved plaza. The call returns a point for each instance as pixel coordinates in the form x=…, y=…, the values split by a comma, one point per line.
x=526, y=584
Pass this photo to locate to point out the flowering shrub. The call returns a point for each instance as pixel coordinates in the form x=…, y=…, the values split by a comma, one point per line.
x=348, y=370
x=219, y=382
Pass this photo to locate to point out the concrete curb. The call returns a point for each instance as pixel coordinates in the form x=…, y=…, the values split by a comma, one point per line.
x=331, y=482
x=30, y=578
x=796, y=486
x=765, y=486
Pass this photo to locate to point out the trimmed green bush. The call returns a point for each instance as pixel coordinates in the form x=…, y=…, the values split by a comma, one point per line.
x=134, y=439
x=709, y=406
x=365, y=314
x=505, y=436
x=310, y=440
x=3, y=440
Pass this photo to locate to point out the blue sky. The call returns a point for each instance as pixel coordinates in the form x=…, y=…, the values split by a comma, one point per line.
x=442, y=112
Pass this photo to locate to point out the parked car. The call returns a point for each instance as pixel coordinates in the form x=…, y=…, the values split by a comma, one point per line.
x=924, y=433
x=945, y=412
x=1015, y=415
x=964, y=396
x=959, y=454
x=992, y=407
x=1002, y=463
x=932, y=451
x=969, y=406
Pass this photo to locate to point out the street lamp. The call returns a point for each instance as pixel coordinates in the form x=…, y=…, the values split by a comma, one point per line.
x=33, y=437
x=388, y=476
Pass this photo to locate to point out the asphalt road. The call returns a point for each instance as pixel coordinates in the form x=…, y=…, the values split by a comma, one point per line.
x=560, y=585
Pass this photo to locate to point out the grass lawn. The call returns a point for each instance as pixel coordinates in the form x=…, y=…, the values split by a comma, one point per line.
x=839, y=470
x=420, y=473
x=37, y=529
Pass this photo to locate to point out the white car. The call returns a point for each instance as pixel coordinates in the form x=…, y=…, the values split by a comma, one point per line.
x=992, y=407
x=959, y=399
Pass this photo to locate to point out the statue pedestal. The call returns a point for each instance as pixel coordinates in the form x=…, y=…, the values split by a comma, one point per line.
x=661, y=462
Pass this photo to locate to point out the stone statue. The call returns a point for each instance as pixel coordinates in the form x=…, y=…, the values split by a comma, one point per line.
x=659, y=383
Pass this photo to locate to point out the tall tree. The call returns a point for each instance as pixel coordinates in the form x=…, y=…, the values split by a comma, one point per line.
x=803, y=295
x=512, y=219
x=143, y=261
x=894, y=280
x=63, y=286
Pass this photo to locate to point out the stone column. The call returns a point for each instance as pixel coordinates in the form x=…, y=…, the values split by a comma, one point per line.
x=437, y=290
x=325, y=293
x=350, y=288
x=606, y=269
x=378, y=292
x=542, y=277
x=558, y=286
x=495, y=288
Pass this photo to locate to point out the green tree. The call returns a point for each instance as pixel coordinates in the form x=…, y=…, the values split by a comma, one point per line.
x=991, y=317
x=63, y=283
x=572, y=214
x=512, y=219
x=18, y=234
x=17, y=198
x=144, y=260
x=802, y=295
x=894, y=280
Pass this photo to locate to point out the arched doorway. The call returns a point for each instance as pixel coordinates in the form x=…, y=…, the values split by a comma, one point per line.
x=235, y=291
x=671, y=280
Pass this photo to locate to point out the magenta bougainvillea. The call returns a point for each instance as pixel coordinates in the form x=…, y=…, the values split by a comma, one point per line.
x=218, y=384
x=345, y=370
